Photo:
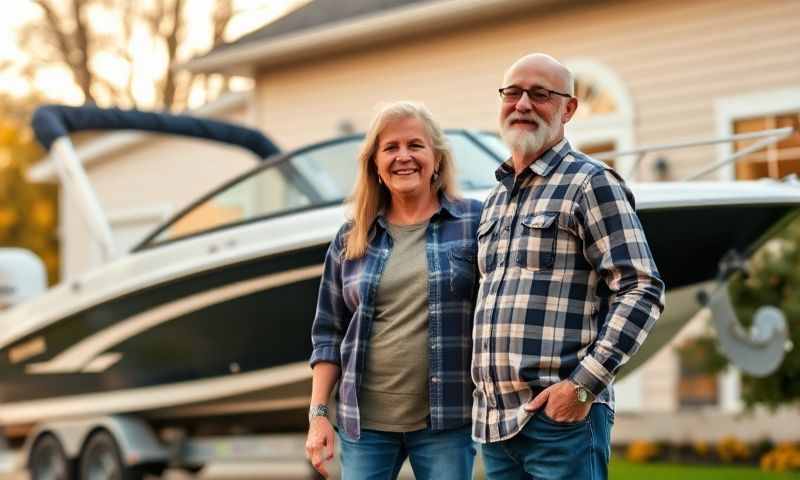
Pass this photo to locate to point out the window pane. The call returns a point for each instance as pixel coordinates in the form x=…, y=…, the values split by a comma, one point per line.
x=331, y=169
x=474, y=167
x=318, y=176
x=776, y=160
x=599, y=147
x=793, y=121
x=265, y=193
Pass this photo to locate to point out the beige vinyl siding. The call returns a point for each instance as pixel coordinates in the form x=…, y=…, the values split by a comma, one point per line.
x=674, y=57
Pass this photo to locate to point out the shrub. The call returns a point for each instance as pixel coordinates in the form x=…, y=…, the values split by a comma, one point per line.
x=641, y=451
x=701, y=449
x=785, y=456
x=731, y=449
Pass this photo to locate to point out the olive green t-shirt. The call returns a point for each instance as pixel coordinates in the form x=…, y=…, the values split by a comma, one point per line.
x=393, y=396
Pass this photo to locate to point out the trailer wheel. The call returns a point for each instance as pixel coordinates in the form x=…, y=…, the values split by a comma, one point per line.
x=101, y=460
x=48, y=460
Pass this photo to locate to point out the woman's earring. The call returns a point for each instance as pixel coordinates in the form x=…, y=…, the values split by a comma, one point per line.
x=380, y=180
x=435, y=177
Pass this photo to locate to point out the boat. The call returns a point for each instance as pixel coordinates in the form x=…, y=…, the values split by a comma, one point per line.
x=208, y=319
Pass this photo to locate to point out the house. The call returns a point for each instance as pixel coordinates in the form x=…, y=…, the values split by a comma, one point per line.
x=646, y=73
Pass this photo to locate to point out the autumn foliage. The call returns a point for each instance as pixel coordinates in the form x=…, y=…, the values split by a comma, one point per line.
x=28, y=212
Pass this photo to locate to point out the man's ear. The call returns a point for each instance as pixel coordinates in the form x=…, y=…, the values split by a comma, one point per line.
x=569, y=110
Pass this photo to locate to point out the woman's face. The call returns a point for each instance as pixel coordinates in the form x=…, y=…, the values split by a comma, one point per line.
x=405, y=158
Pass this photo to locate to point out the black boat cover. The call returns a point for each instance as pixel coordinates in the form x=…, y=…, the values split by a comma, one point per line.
x=50, y=122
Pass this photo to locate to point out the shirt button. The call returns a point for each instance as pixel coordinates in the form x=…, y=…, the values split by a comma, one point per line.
x=507, y=228
x=434, y=379
x=486, y=344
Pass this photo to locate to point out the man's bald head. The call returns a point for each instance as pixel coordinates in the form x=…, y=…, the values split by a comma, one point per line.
x=555, y=72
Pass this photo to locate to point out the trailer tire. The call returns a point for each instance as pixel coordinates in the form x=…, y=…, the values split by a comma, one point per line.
x=101, y=460
x=48, y=461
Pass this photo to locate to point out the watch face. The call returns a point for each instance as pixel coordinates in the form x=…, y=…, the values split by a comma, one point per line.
x=582, y=395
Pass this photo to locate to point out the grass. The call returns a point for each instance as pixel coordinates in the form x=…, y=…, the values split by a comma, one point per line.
x=622, y=470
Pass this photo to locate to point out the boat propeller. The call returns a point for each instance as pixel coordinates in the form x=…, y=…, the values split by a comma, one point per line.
x=759, y=349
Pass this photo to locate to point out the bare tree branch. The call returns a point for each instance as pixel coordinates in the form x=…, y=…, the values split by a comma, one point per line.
x=82, y=50
x=73, y=47
x=66, y=35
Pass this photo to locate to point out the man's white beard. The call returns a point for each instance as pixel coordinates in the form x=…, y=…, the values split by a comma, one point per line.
x=523, y=141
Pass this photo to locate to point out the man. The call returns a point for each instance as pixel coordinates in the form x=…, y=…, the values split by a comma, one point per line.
x=569, y=290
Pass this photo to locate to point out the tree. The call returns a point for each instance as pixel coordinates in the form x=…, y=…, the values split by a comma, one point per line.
x=82, y=35
x=28, y=212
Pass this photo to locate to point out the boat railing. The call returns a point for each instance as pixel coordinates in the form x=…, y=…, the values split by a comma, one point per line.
x=763, y=139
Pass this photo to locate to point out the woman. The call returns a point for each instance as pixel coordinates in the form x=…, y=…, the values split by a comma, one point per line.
x=394, y=315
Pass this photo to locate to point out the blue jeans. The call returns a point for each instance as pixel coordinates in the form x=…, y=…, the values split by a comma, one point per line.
x=548, y=450
x=378, y=455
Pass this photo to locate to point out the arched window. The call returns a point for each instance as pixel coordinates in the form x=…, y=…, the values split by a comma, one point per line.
x=604, y=119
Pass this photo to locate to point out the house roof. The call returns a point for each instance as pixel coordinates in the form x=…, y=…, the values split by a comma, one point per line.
x=325, y=27
x=315, y=14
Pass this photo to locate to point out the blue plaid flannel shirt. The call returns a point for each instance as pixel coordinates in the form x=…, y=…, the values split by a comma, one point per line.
x=568, y=288
x=346, y=307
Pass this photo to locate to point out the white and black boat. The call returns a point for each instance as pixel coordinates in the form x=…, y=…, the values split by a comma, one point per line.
x=209, y=317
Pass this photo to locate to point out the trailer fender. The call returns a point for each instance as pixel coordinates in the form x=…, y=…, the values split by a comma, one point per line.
x=137, y=442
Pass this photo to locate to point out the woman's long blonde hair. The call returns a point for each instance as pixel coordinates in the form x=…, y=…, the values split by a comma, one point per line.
x=370, y=197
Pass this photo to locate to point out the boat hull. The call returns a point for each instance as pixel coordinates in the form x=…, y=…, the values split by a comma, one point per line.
x=234, y=340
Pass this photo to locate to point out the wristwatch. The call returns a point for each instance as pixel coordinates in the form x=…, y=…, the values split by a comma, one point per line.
x=320, y=410
x=583, y=395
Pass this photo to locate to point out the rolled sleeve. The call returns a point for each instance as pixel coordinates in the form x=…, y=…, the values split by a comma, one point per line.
x=616, y=247
x=332, y=312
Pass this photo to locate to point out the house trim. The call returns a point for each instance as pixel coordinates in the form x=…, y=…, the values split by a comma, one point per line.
x=617, y=126
x=728, y=109
x=368, y=30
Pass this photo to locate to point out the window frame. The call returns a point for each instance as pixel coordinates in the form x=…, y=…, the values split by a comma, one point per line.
x=617, y=127
x=727, y=110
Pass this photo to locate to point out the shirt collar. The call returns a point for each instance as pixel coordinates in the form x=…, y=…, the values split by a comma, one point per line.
x=446, y=206
x=542, y=166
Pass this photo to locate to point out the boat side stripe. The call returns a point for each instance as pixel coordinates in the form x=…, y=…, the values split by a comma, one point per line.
x=79, y=355
x=155, y=397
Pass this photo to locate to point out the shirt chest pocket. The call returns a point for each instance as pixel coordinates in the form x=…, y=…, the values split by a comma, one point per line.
x=535, y=241
x=487, y=246
x=463, y=270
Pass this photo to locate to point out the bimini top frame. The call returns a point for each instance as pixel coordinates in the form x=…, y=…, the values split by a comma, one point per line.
x=52, y=125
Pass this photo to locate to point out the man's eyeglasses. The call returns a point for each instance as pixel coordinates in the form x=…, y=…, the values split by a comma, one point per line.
x=512, y=94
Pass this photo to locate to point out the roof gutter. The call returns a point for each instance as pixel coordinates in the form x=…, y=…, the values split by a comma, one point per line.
x=394, y=24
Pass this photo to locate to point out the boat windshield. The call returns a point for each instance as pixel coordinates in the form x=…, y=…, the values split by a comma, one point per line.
x=320, y=175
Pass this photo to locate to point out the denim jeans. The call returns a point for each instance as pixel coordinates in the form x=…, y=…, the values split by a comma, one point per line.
x=444, y=455
x=548, y=450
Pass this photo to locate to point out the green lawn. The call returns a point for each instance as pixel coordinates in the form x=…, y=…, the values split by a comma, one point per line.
x=622, y=470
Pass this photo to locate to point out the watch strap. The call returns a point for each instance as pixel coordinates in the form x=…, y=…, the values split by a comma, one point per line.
x=320, y=410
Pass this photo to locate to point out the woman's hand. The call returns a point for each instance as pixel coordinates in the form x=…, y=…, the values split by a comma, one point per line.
x=319, y=444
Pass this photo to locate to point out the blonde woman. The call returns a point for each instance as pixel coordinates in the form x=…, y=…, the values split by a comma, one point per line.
x=394, y=316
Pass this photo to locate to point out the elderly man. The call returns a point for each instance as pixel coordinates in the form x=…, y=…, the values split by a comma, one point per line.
x=569, y=290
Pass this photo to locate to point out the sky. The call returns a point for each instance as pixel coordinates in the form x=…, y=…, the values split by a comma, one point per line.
x=57, y=81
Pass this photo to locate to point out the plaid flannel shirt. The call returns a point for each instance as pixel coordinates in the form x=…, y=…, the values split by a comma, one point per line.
x=346, y=307
x=568, y=287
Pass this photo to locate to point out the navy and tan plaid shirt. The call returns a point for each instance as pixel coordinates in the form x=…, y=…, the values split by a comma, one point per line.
x=568, y=288
x=346, y=308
